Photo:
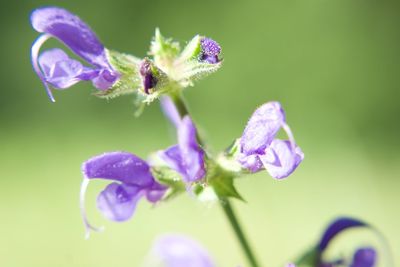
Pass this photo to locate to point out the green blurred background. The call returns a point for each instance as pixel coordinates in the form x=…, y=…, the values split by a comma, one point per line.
x=334, y=65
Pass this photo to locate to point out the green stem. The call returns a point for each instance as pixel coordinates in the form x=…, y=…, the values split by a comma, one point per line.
x=233, y=220
x=226, y=206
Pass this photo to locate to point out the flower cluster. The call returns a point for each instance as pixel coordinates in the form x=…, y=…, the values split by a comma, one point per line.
x=114, y=73
x=186, y=165
x=183, y=166
x=134, y=178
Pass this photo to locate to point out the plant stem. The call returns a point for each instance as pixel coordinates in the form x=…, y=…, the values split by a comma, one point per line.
x=226, y=206
x=233, y=220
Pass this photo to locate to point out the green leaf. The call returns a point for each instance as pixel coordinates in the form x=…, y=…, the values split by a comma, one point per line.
x=164, y=50
x=224, y=187
x=308, y=259
x=194, y=70
x=130, y=80
x=191, y=51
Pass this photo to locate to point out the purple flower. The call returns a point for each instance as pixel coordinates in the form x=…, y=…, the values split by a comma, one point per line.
x=187, y=157
x=132, y=180
x=210, y=50
x=259, y=147
x=180, y=251
x=55, y=67
x=364, y=257
x=335, y=228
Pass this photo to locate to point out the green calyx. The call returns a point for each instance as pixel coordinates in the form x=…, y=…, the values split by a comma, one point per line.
x=172, y=68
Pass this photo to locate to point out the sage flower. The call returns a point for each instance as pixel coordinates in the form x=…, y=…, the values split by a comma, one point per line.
x=362, y=257
x=335, y=228
x=54, y=67
x=178, y=251
x=259, y=147
x=187, y=157
x=131, y=181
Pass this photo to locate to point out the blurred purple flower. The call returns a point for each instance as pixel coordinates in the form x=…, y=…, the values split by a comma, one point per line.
x=187, y=157
x=335, y=228
x=54, y=66
x=132, y=181
x=210, y=50
x=259, y=147
x=179, y=251
x=364, y=257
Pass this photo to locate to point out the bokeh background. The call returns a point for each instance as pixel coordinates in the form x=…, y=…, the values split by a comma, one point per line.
x=334, y=65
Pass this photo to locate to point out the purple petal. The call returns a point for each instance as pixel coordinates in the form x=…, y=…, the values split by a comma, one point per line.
x=337, y=227
x=210, y=50
x=210, y=47
x=117, y=202
x=280, y=160
x=262, y=128
x=364, y=257
x=49, y=58
x=60, y=70
x=180, y=251
x=155, y=192
x=172, y=157
x=210, y=59
x=105, y=79
x=252, y=162
x=119, y=166
x=72, y=31
x=170, y=111
x=149, y=81
x=191, y=153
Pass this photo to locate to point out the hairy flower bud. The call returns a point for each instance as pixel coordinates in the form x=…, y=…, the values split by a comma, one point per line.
x=210, y=50
x=148, y=78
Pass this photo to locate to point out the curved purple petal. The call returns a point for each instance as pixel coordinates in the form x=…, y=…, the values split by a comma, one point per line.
x=364, y=257
x=117, y=202
x=172, y=156
x=337, y=227
x=60, y=70
x=35, y=64
x=280, y=160
x=262, y=128
x=180, y=251
x=119, y=166
x=191, y=154
x=72, y=31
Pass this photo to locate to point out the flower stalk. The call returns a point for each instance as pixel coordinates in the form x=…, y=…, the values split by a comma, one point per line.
x=234, y=222
x=225, y=203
